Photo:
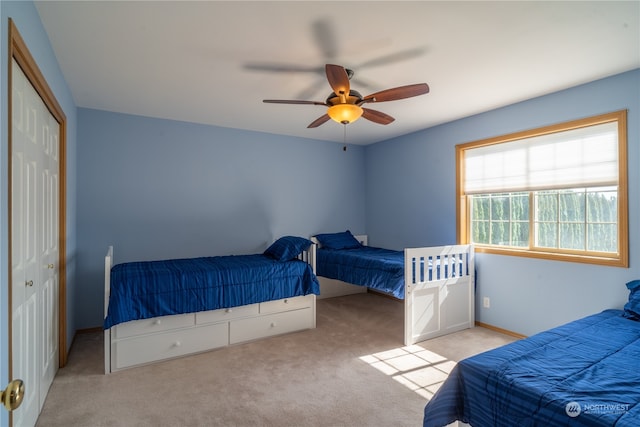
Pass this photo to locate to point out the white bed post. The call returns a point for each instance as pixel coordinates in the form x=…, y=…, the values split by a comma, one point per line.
x=108, y=263
x=312, y=262
x=408, y=296
x=311, y=255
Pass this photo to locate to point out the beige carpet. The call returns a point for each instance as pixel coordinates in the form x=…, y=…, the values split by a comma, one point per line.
x=352, y=370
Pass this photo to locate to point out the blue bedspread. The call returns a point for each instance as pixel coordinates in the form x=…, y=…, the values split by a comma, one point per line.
x=148, y=289
x=584, y=373
x=376, y=268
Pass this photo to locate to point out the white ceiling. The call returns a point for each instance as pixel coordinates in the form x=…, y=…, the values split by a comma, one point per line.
x=191, y=61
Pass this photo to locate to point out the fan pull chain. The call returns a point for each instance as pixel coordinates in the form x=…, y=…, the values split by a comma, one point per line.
x=344, y=137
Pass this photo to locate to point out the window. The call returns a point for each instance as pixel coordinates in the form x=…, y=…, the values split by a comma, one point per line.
x=558, y=192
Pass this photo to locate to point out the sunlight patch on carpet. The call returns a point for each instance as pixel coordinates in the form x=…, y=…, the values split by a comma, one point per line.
x=418, y=369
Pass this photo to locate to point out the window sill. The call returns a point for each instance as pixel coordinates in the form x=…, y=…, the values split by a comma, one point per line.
x=613, y=261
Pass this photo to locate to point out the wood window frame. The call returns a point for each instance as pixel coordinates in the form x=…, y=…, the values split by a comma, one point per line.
x=621, y=259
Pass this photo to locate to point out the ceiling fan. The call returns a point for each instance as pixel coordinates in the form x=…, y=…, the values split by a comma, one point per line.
x=345, y=104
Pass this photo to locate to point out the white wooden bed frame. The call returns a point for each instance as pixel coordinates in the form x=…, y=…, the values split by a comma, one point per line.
x=141, y=342
x=432, y=307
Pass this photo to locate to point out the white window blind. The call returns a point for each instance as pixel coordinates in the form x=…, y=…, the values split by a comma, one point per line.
x=583, y=157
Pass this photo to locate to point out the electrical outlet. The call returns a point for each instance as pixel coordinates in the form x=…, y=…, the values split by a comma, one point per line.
x=486, y=302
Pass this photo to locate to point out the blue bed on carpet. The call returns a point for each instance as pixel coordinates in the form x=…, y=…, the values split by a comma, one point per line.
x=584, y=373
x=375, y=268
x=141, y=290
x=342, y=257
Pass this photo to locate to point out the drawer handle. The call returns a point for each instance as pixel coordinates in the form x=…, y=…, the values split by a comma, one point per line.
x=286, y=301
x=228, y=310
x=177, y=344
x=157, y=322
x=273, y=324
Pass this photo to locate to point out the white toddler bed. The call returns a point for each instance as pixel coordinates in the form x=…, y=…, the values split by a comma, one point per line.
x=140, y=342
x=435, y=304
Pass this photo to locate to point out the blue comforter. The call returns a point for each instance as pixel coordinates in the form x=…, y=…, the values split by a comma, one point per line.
x=148, y=289
x=376, y=268
x=585, y=373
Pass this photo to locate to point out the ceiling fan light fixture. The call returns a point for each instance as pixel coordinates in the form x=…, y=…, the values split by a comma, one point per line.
x=345, y=113
x=344, y=104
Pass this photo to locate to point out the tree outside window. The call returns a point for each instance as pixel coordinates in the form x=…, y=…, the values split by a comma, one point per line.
x=558, y=192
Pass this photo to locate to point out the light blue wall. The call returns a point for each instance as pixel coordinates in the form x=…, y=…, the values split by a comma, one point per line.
x=160, y=189
x=410, y=201
x=28, y=23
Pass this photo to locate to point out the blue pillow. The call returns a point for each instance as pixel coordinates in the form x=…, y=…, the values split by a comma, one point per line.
x=632, y=307
x=287, y=248
x=344, y=240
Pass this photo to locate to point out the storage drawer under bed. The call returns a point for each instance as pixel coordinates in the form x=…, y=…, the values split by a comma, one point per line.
x=156, y=324
x=269, y=324
x=145, y=349
x=286, y=304
x=224, y=314
x=148, y=340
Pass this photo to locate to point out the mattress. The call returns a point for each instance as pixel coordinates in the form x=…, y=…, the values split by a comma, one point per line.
x=375, y=268
x=584, y=373
x=149, y=289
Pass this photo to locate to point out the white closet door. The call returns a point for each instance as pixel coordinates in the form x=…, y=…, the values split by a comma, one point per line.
x=48, y=251
x=34, y=240
x=24, y=297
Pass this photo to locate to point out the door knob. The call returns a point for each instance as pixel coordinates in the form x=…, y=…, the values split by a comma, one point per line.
x=11, y=396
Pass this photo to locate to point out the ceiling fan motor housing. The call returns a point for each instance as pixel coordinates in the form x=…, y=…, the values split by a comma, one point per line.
x=354, y=98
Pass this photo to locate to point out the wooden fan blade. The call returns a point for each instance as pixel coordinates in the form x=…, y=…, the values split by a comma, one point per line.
x=338, y=79
x=398, y=93
x=292, y=101
x=377, y=116
x=320, y=120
